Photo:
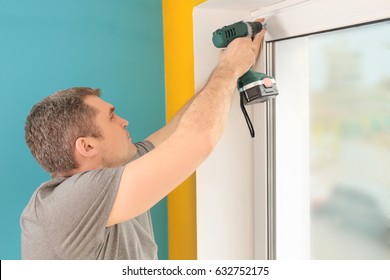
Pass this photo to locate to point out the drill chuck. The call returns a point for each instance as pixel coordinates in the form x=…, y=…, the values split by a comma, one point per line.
x=223, y=36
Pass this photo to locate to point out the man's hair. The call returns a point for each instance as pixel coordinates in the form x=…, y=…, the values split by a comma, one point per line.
x=55, y=123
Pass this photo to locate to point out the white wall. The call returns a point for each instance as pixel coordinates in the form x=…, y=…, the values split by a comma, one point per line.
x=225, y=182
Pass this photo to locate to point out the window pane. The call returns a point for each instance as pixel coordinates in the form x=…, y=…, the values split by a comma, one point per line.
x=350, y=143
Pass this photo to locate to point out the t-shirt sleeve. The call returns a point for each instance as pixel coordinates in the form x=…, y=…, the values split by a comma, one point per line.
x=144, y=147
x=76, y=212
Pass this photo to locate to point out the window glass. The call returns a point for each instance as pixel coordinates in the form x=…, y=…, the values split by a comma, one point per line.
x=349, y=84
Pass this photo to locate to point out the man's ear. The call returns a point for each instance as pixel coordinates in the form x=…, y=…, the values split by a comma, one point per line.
x=85, y=146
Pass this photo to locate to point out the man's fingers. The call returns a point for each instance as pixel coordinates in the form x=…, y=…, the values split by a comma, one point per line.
x=259, y=37
x=257, y=42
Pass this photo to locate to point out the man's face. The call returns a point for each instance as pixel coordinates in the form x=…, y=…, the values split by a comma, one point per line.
x=116, y=147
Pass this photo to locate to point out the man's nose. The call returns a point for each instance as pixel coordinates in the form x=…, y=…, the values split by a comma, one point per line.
x=124, y=123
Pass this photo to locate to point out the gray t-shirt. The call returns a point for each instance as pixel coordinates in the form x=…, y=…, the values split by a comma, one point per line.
x=66, y=219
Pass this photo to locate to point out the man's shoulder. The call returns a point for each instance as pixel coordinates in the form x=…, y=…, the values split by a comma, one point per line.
x=81, y=186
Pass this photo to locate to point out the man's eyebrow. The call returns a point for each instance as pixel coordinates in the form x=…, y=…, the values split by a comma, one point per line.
x=112, y=109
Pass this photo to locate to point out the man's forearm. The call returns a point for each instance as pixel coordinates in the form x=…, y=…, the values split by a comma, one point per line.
x=176, y=118
x=162, y=134
x=207, y=112
x=171, y=126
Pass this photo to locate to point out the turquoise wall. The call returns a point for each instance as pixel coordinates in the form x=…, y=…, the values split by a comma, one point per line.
x=48, y=45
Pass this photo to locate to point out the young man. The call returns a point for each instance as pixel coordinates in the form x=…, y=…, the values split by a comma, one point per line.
x=97, y=204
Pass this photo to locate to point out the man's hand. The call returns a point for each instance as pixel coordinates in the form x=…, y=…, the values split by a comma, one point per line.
x=241, y=53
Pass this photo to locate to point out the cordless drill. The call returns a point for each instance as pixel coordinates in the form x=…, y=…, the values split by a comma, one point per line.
x=254, y=87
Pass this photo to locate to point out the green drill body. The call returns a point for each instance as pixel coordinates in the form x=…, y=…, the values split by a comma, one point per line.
x=222, y=37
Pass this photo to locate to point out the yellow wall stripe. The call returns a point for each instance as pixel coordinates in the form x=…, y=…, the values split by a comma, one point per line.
x=179, y=86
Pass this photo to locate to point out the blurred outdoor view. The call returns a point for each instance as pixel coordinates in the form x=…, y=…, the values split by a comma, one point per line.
x=350, y=143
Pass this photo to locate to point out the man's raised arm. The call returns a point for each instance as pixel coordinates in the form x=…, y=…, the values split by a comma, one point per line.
x=190, y=140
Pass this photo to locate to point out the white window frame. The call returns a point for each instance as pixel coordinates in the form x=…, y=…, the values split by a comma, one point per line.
x=288, y=168
x=236, y=187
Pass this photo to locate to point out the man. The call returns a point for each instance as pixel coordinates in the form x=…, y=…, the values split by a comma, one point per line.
x=97, y=204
